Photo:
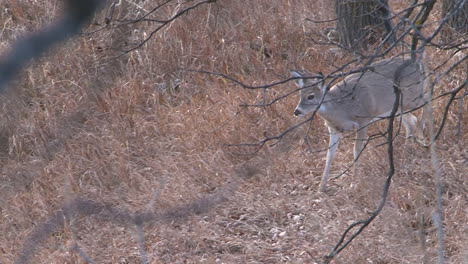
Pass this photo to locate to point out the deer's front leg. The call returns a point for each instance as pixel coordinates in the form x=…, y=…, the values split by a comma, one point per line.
x=335, y=138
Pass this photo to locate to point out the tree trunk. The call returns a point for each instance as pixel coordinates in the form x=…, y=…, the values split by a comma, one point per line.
x=360, y=20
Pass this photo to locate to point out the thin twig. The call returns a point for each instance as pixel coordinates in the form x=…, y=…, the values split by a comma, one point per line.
x=163, y=24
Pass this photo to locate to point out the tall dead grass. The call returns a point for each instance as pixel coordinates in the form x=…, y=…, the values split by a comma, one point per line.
x=117, y=131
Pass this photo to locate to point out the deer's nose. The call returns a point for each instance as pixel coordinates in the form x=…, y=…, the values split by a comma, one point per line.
x=297, y=112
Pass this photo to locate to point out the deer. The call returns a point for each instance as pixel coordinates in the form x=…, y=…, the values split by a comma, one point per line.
x=360, y=99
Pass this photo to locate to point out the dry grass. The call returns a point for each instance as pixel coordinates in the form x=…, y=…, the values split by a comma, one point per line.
x=120, y=131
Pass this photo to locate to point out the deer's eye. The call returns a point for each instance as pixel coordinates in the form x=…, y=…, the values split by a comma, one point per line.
x=310, y=97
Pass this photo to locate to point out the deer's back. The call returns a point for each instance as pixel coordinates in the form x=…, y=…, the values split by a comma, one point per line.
x=371, y=94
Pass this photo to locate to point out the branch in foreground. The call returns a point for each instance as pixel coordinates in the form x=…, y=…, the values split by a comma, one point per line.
x=35, y=44
x=438, y=215
x=110, y=213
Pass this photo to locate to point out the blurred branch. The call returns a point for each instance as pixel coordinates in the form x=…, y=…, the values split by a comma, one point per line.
x=35, y=44
x=438, y=217
x=110, y=213
x=141, y=244
x=81, y=253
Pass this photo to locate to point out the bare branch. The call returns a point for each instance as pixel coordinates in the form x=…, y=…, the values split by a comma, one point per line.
x=164, y=23
x=453, y=94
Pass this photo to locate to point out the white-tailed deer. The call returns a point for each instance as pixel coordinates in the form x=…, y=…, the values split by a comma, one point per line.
x=360, y=99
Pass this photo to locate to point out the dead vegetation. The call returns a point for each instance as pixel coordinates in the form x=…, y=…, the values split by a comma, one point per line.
x=143, y=134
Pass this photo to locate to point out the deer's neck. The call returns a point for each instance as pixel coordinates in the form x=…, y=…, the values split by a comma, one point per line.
x=333, y=111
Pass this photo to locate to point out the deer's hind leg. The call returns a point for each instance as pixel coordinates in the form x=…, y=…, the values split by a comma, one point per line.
x=361, y=138
x=410, y=123
x=414, y=127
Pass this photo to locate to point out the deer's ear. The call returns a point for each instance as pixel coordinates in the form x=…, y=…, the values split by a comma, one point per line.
x=323, y=87
x=299, y=82
x=321, y=84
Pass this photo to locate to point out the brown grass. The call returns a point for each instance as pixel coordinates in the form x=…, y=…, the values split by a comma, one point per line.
x=118, y=131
